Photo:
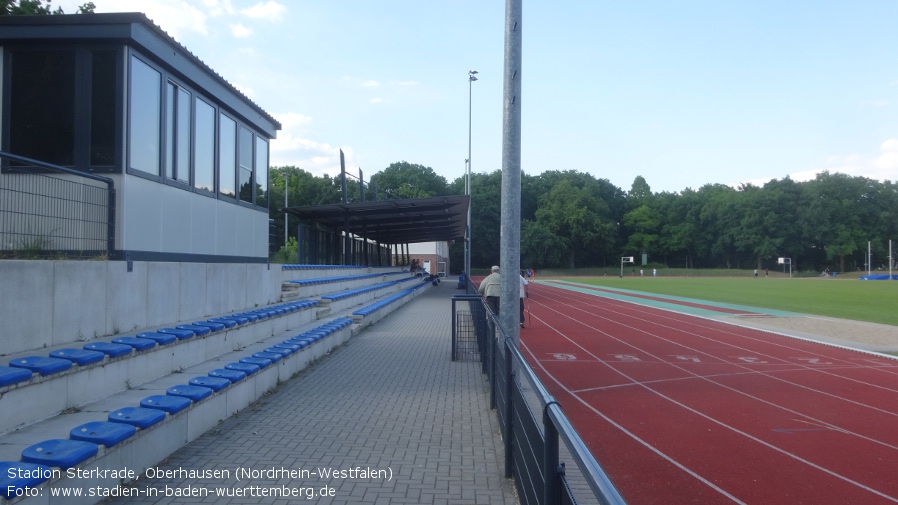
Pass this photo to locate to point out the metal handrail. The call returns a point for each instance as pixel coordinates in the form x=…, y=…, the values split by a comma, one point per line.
x=598, y=481
x=110, y=185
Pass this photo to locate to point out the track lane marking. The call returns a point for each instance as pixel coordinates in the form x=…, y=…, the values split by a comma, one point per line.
x=702, y=415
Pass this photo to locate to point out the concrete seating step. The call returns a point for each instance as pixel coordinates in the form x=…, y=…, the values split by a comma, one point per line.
x=167, y=403
x=103, y=432
x=140, y=417
x=58, y=452
x=43, y=365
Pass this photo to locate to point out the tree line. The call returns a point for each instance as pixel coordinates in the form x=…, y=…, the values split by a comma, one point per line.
x=572, y=219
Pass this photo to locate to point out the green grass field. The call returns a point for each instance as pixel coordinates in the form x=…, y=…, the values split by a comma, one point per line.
x=848, y=298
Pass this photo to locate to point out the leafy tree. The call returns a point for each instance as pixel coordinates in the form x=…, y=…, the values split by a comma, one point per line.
x=756, y=232
x=541, y=248
x=680, y=224
x=486, y=212
x=719, y=220
x=640, y=192
x=578, y=219
x=406, y=180
x=644, y=224
x=304, y=189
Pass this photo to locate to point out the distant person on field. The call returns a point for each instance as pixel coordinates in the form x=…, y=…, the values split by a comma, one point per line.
x=524, y=294
x=490, y=289
x=756, y=273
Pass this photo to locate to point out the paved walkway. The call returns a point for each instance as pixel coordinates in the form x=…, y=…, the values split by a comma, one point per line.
x=387, y=418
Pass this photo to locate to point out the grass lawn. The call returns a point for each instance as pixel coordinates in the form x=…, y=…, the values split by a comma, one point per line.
x=848, y=298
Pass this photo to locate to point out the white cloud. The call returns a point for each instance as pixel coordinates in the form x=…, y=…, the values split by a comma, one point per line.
x=293, y=121
x=408, y=83
x=371, y=83
x=240, y=31
x=883, y=166
x=317, y=158
x=376, y=100
x=271, y=10
x=177, y=17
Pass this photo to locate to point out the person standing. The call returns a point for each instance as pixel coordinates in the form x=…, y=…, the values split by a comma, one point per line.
x=523, y=295
x=489, y=288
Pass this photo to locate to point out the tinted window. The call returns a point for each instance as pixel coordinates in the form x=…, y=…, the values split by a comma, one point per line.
x=246, y=165
x=204, y=149
x=227, y=156
x=261, y=172
x=144, y=121
x=102, y=108
x=42, y=112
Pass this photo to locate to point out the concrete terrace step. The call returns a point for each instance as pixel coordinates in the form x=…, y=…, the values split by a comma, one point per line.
x=218, y=373
x=51, y=388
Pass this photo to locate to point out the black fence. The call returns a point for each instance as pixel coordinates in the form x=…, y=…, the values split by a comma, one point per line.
x=51, y=211
x=531, y=421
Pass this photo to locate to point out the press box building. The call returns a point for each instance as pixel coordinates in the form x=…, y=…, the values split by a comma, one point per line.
x=113, y=94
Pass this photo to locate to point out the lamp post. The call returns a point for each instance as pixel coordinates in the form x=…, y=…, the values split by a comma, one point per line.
x=471, y=80
x=286, y=216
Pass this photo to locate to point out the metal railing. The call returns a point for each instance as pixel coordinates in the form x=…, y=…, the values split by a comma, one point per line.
x=51, y=211
x=532, y=422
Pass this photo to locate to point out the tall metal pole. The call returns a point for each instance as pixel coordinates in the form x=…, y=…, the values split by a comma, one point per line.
x=286, y=216
x=510, y=231
x=468, y=192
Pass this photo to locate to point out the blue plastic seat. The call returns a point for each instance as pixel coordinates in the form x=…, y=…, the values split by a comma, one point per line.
x=274, y=356
x=213, y=383
x=251, y=317
x=64, y=453
x=180, y=332
x=195, y=393
x=103, y=432
x=16, y=476
x=227, y=322
x=109, y=349
x=231, y=375
x=246, y=368
x=42, y=364
x=301, y=342
x=211, y=325
x=237, y=319
x=198, y=329
x=141, y=417
x=260, y=362
x=255, y=313
x=13, y=375
x=159, y=338
x=80, y=357
x=288, y=348
x=170, y=404
x=274, y=350
x=139, y=344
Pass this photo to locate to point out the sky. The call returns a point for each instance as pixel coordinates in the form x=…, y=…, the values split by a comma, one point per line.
x=683, y=94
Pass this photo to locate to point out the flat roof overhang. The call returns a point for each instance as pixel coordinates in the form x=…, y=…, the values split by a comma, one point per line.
x=406, y=221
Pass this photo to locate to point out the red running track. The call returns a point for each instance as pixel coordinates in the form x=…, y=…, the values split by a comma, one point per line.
x=680, y=409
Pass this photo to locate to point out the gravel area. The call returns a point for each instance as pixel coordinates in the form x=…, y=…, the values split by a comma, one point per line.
x=856, y=334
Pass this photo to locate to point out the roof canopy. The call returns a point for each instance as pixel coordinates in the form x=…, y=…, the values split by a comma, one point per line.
x=408, y=221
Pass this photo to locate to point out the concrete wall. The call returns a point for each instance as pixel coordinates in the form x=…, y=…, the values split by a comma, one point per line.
x=53, y=303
